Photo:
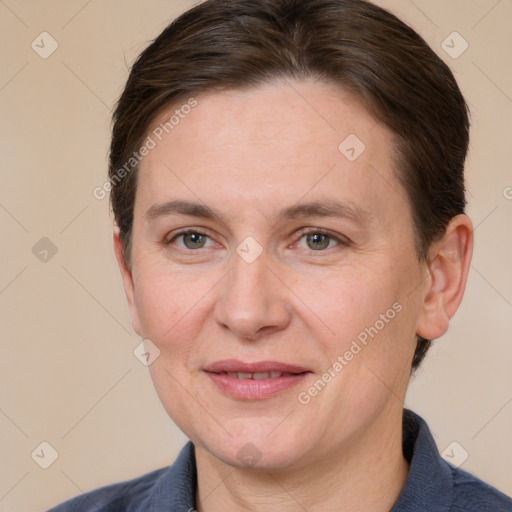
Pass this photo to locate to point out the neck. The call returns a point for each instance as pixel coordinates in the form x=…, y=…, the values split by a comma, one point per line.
x=365, y=473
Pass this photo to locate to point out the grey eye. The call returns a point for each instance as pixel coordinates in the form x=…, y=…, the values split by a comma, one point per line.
x=318, y=241
x=194, y=240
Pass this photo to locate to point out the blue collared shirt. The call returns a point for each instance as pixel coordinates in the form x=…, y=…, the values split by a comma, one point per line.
x=432, y=485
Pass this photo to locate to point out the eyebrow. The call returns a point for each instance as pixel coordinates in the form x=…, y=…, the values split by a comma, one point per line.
x=318, y=208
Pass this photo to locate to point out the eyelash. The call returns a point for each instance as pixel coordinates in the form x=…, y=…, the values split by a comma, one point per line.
x=341, y=241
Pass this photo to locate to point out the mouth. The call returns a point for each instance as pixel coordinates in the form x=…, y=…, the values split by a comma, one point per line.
x=254, y=381
x=256, y=375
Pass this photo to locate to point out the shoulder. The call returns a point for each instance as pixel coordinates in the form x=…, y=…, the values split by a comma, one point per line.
x=169, y=488
x=127, y=495
x=435, y=484
x=471, y=493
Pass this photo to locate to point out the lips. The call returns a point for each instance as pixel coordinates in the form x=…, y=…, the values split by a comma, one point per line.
x=254, y=381
x=233, y=365
x=256, y=375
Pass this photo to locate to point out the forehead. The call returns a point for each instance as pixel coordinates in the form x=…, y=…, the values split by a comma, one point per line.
x=276, y=143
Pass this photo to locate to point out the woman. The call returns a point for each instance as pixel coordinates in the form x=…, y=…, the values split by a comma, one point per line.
x=287, y=183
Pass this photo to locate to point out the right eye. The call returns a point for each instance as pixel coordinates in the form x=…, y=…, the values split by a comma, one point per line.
x=192, y=239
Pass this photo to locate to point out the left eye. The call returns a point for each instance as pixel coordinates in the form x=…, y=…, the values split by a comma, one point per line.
x=192, y=240
x=318, y=241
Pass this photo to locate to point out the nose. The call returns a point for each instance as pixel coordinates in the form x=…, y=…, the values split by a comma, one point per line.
x=253, y=300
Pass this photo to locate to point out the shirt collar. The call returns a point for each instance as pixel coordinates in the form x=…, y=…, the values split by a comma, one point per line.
x=429, y=482
x=177, y=488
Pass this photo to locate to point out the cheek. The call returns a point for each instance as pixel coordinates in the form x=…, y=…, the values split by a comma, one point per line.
x=171, y=306
x=350, y=299
x=367, y=315
x=172, y=311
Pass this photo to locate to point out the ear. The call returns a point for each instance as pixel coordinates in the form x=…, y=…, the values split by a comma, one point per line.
x=127, y=277
x=448, y=267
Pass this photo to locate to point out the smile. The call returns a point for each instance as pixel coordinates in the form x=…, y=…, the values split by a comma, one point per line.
x=254, y=381
x=256, y=376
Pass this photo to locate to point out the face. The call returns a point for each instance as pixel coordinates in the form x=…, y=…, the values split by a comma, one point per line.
x=274, y=269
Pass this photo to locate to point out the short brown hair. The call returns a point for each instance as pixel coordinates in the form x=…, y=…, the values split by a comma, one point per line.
x=240, y=44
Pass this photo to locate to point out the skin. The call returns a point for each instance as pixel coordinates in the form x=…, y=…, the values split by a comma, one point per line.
x=250, y=154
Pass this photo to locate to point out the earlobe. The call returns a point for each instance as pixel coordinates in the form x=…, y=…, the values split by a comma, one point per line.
x=448, y=268
x=128, y=284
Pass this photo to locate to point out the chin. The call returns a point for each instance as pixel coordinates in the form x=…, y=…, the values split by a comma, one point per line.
x=253, y=445
x=249, y=456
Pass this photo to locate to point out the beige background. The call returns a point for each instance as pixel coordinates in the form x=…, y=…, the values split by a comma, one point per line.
x=68, y=374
